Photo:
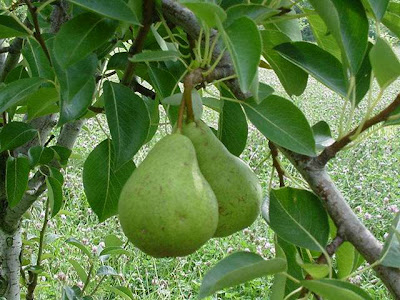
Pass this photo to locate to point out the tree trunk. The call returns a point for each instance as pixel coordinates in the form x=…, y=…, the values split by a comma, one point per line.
x=10, y=250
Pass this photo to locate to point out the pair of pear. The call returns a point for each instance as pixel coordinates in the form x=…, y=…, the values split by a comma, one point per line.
x=189, y=189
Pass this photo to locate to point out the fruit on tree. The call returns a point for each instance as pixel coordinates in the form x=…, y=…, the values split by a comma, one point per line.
x=236, y=187
x=167, y=208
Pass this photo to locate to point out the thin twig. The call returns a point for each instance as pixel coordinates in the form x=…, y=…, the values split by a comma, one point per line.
x=100, y=77
x=331, y=151
x=137, y=47
x=331, y=250
x=137, y=87
x=276, y=164
x=38, y=36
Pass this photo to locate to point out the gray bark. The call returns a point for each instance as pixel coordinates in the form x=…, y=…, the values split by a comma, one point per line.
x=12, y=58
x=2, y=56
x=10, y=247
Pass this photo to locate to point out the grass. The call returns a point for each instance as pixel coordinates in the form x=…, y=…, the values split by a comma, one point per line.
x=367, y=175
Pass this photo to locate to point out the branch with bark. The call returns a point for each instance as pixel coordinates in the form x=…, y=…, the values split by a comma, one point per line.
x=37, y=34
x=331, y=151
x=276, y=164
x=137, y=47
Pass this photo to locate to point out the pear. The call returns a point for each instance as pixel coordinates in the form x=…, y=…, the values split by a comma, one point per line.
x=167, y=208
x=236, y=187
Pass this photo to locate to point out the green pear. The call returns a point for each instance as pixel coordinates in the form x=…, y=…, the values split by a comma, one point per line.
x=166, y=207
x=236, y=187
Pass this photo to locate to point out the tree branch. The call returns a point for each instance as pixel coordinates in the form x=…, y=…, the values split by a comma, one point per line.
x=137, y=47
x=331, y=151
x=12, y=58
x=38, y=36
x=137, y=87
x=275, y=163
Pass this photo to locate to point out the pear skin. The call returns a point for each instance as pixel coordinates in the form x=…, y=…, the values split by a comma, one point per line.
x=167, y=208
x=236, y=187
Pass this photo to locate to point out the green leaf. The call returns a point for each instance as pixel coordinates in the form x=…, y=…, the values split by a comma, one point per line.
x=377, y=7
x=54, y=192
x=322, y=135
x=238, y=268
x=363, y=77
x=293, y=210
x=346, y=20
x=290, y=27
x=118, y=61
x=57, y=175
x=280, y=121
x=16, y=91
x=16, y=74
x=128, y=120
x=9, y=27
x=345, y=259
x=17, y=175
x=385, y=64
x=39, y=155
x=317, y=62
x=42, y=102
x=106, y=271
x=292, y=78
x=149, y=56
x=391, y=249
x=77, y=84
x=37, y=60
x=162, y=81
x=81, y=36
x=15, y=134
x=243, y=41
x=154, y=114
x=73, y=293
x=392, y=18
x=78, y=269
x=264, y=91
x=112, y=240
x=208, y=12
x=232, y=127
x=213, y=103
x=258, y=13
x=102, y=182
x=317, y=271
x=279, y=283
x=121, y=291
x=176, y=99
x=290, y=252
x=333, y=289
x=115, y=250
x=74, y=242
x=62, y=154
x=116, y=9
x=324, y=38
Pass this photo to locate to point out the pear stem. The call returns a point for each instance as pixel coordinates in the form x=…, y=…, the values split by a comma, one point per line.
x=181, y=112
x=187, y=96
